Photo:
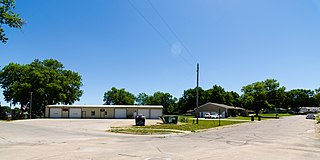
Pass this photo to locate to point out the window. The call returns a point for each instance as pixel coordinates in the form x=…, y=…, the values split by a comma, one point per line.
x=93, y=113
x=105, y=113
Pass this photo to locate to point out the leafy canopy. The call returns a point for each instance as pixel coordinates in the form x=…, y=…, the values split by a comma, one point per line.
x=49, y=82
x=9, y=18
x=262, y=95
x=118, y=97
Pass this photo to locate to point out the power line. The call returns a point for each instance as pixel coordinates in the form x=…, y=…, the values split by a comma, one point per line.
x=154, y=28
x=171, y=30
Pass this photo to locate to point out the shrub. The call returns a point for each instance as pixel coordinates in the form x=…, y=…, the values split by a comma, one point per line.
x=184, y=119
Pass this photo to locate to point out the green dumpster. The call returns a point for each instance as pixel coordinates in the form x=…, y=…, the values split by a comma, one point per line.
x=169, y=119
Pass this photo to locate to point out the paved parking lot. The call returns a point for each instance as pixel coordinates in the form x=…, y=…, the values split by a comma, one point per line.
x=287, y=138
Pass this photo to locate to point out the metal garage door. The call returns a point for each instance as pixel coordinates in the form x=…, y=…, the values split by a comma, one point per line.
x=55, y=112
x=120, y=113
x=75, y=113
x=155, y=113
x=145, y=112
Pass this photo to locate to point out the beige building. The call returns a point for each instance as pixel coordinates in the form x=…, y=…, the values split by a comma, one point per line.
x=103, y=111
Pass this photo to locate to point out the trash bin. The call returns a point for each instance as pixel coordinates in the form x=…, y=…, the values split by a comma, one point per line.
x=252, y=118
x=140, y=120
x=259, y=118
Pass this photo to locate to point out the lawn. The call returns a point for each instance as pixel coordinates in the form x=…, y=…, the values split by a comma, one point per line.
x=203, y=124
x=262, y=115
x=173, y=128
x=243, y=118
x=141, y=131
x=274, y=115
x=318, y=118
x=186, y=125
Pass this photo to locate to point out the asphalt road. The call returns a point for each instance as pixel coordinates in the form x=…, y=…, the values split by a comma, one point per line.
x=290, y=138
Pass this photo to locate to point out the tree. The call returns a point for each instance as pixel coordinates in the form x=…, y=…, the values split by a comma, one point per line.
x=165, y=99
x=232, y=99
x=3, y=111
x=49, y=82
x=118, y=97
x=141, y=99
x=299, y=98
x=8, y=17
x=216, y=95
x=255, y=97
x=275, y=94
x=316, y=98
x=188, y=100
x=263, y=95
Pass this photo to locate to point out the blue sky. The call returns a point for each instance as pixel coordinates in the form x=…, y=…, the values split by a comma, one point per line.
x=110, y=44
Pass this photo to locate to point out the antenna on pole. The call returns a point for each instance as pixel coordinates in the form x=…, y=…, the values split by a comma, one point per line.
x=197, y=94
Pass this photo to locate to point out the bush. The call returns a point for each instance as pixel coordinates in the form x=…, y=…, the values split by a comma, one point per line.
x=184, y=119
x=233, y=113
x=244, y=113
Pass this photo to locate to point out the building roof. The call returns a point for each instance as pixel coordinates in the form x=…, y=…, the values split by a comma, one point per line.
x=209, y=106
x=105, y=106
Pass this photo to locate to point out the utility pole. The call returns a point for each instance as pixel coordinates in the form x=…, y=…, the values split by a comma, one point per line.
x=219, y=115
x=197, y=94
x=30, y=103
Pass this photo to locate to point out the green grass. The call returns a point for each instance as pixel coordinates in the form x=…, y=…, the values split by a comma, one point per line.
x=318, y=118
x=246, y=118
x=141, y=131
x=173, y=128
x=243, y=118
x=185, y=124
x=185, y=119
x=203, y=124
x=263, y=115
x=183, y=116
x=273, y=115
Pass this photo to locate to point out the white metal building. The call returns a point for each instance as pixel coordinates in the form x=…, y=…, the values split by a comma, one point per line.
x=309, y=109
x=216, y=108
x=103, y=111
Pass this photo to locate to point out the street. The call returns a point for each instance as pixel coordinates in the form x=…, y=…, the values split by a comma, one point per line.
x=288, y=138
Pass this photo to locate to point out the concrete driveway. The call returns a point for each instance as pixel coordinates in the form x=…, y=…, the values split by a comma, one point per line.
x=288, y=138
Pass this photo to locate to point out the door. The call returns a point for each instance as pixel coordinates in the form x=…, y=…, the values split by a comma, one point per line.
x=145, y=112
x=55, y=112
x=83, y=114
x=75, y=113
x=120, y=113
x=102, y=113
x=155, y=113
x=65, y=114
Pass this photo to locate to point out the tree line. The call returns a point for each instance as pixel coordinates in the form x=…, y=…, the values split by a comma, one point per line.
x=258, y=96
x=47, y=82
